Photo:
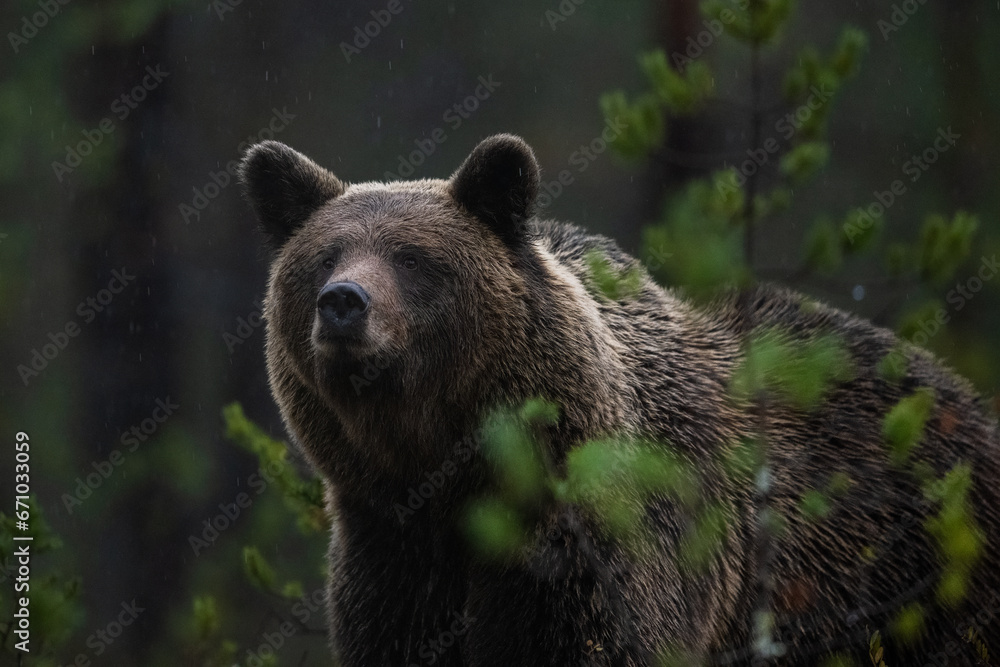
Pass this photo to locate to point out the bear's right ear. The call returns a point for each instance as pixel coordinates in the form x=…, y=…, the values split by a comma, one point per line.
x=284, y=187
x=498, y=183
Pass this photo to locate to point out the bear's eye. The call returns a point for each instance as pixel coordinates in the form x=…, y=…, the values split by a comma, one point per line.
x=328, y=263
x=409, y=262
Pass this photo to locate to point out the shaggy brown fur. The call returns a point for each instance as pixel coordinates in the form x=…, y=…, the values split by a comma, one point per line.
x=474, y=304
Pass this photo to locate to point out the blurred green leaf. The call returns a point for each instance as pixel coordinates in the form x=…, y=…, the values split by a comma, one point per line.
x=959, y=539
x=823, y=248
x=796, y=371
x=805, y=160
x=860, y=229
x=613, y=284
x=681, y=94
x=642, y=123
x=495, y=529
x=944, y=245
x=304, y=496
x=909, y=623
x=206, y=617
x=903, y=427
x=258, y=570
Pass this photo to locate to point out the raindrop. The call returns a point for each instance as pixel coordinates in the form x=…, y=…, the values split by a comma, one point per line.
x=858, y=292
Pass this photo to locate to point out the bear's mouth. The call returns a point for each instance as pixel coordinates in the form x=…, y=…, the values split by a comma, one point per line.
x=349, y=375
x=338, y=344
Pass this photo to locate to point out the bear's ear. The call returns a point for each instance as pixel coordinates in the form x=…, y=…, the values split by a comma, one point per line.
x=498, y=183
x=284, y=187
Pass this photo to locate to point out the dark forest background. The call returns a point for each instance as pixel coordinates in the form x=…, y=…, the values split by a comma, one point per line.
x=151, y=199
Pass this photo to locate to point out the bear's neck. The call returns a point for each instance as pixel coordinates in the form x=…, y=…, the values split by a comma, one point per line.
x=571, y=358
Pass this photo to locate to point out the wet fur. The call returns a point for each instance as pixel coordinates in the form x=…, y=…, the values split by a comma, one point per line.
x=505, y=313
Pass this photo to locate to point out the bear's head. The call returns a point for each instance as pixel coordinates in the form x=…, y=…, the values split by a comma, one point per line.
x=407, y=309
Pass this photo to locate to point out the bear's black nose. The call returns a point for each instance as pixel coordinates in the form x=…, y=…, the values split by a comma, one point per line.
x=343, y=306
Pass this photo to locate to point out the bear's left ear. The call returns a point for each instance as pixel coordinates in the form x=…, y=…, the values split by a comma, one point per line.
x=284, y=187
x=498, y=183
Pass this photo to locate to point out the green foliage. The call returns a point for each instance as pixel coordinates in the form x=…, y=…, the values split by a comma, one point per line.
x=257, y=569
x=497, y=525
x=643, y=119
x=206, y=617
x=641, y=122
x=804, y=160
x=608, y=282
x=916, y=320
x=611, y=480
x=942, y=248
x=681, y=94
x=959, y=539
x=798, y=372
x=303, y=496
x=909, y=623
x=893, y=366
x=824, y=251
x=818, y=77
x=944, y=245
x=614, y=480
x=978, y=645
x=742, y=462
x=876, y=650
x=205, y=638
x=204, y=645
x=55, y=604
x=495, y=529
x=756, y=21
x=34, y=80
x=700, y=244
x=903, y=427
x=673, y=656
x=860, y=231
x=703, y=541
x=508, y=441
x=837, y=661
x=815, y=505
x=702, y=232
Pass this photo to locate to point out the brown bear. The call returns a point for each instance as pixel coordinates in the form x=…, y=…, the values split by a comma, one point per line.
x=399, y=315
